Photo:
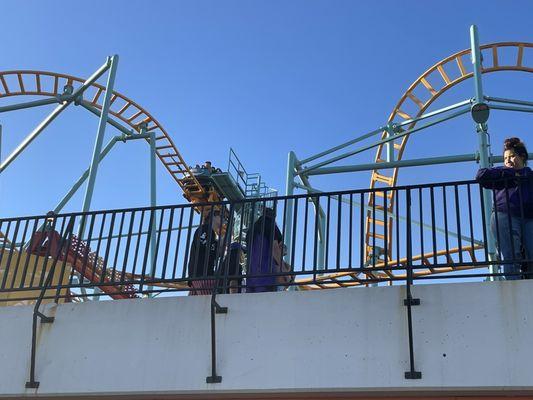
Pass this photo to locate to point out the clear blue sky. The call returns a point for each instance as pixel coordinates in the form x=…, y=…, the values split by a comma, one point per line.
x=263, y=77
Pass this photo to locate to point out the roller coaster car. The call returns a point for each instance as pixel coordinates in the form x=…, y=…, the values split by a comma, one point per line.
x=216, y=185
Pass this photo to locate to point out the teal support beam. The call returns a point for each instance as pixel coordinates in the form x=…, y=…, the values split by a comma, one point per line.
x=52, y=116
x=395, y=164
x=321, y=219
x=83, y=177
x=30, y=104
x=384, y=128
x=512, y=108
x=383, y=141
x=289, y=191
x=509, y=101
x=484, y=148
x=93, y=169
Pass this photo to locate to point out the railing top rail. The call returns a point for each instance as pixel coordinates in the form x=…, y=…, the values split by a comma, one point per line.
x=247, y=200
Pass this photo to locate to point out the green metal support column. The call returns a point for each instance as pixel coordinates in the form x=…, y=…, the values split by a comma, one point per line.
x=321, y=219
x=389, y=146
x=484, y=147
x=289, y=191
x=93, y=169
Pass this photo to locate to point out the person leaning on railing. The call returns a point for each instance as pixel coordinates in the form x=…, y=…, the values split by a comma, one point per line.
x=203, y=253
x=265, y=255
x=512, y=215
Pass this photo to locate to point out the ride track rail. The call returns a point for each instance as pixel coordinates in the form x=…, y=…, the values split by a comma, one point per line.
x=51, y=84
x=447, y=73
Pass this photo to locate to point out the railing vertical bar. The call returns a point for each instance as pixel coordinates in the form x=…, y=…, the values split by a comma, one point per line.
x=30, y=246
x=398, y=253
x=373, y=254
x=10, y=255
x=147, y=250
x=446, y=237
x=339, y=226
x=386, y=229
x=20, y=251
x=117, y=249
x=350, y=233
x=97, y=251
x=167, y=245
x=87, y=249
x=470, y=220
x=209, y=241
x=421, y=219
x=138, y=244
x=496, y=224
x=127, y=249
x=158, y=241
x=433, y=226
x=328, y=219
x=108, y=246
x=47, y=255
x=294, y=230
x=315, y=241
x=362, y=231
x=178, y=243
x=484, y=220
x=458, y=223
x=304, y=247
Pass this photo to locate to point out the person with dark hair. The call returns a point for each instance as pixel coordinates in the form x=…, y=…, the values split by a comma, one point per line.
x=512, y=216
x=203, y=253
x=265, y=255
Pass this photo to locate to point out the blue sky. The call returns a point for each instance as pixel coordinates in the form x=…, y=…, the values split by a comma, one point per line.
x=263, y=77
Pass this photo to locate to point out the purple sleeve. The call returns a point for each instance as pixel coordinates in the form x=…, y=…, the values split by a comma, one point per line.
x=496, y=178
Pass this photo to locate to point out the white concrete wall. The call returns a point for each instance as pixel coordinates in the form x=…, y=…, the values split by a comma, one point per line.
x=468, y=337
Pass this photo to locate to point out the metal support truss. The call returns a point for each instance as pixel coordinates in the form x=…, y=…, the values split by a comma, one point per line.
x=484, y=147
x=66, y=101
x=93, y=169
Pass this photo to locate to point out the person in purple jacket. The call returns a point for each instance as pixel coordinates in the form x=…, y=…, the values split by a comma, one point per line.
x=512, y=216
x=264, y=254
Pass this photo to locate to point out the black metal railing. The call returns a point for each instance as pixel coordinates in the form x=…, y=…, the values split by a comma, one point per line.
x=384, y=235
x=431, y=231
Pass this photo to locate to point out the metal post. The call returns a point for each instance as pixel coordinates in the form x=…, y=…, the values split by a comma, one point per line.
x=484, y=148
x=390, y=145
x=93, y=169
x=153, y=203
x=289, y=191
x=321, y=219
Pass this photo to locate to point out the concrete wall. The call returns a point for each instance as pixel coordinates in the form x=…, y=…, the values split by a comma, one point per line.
x=469, y=337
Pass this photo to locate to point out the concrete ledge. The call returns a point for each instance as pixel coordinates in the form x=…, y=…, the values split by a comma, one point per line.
x=470, y=338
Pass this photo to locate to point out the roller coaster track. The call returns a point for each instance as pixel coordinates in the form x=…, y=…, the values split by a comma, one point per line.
x=419, y=96
x=50, y=84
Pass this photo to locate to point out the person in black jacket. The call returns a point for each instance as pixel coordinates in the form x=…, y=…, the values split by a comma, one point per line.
x=512, y=216
x=203, y=253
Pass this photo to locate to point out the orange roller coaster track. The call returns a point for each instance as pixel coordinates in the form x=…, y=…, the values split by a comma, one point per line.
x=51, y=84
x=443, y=75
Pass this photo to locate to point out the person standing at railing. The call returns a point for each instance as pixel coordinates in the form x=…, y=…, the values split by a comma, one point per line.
x=512, y=216
x=265, y=255
x=203, y=253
